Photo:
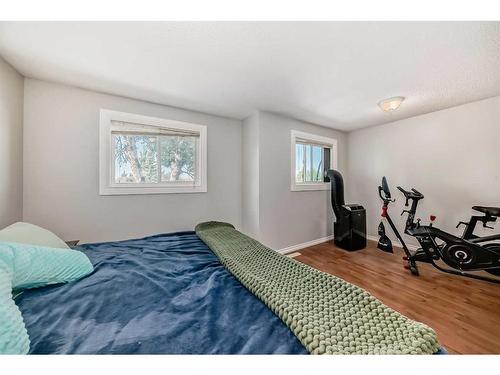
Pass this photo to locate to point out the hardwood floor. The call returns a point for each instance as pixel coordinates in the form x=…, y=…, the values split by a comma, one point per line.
x=465, y=313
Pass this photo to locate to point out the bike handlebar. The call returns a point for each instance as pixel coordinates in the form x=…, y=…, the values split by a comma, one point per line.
x=413, y=194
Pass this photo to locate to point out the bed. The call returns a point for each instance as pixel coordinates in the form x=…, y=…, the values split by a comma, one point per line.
x=213, y=291
x=160, y=294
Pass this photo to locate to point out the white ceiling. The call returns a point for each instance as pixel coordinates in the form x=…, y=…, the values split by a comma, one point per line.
x=330, y=73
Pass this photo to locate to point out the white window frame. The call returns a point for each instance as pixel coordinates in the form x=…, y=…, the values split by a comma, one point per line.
x=107, y=186
x=330, y=143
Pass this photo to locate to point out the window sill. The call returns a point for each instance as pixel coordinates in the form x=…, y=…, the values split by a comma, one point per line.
x=310, y=187
x=127, y=190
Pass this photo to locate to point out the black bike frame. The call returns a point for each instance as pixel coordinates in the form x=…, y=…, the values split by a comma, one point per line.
x=468, y=233
x=426, y=236
x=395, y=230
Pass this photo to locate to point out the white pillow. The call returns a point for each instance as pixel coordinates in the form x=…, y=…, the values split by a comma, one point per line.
x=31, y=234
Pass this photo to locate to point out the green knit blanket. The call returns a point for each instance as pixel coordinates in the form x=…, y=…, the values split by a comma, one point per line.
x=327, y=314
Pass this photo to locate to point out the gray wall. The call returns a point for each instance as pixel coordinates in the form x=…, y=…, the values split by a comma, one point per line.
x=452, y=156
x=250, y=175
x=285, y=217
x=61, y=167
x=11, y=145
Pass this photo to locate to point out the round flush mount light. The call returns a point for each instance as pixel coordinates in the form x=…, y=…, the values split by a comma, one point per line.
x=391, y=104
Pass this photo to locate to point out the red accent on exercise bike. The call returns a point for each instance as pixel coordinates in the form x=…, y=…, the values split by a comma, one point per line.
x=432, y=217
x=384, y=211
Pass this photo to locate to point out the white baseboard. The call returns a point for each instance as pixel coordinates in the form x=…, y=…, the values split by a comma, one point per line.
x=291, y=249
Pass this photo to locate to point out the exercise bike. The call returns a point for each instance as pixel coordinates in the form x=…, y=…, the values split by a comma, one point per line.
x=463, y=254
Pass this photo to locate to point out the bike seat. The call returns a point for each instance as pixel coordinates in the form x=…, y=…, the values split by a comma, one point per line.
x=490, y=211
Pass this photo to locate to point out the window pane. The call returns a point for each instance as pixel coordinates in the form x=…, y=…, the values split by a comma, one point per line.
x=317, y=164
x=136, y=159
x=326, y=160
x=178, y=158
x=308, y=163
x=299, y=162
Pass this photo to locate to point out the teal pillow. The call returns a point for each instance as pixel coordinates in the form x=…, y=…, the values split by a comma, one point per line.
x=27, y=266
x=14, y=338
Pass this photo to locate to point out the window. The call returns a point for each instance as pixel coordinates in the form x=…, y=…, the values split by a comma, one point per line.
x=146, y=155
x=312, y=156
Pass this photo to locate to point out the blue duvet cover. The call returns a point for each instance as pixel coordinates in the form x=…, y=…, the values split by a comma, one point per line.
x=161, y=294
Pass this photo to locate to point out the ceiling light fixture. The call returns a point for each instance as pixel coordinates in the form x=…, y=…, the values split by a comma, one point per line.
x=391, y=104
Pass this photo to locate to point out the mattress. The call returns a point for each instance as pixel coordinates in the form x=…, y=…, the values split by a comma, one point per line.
x=163, y=294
